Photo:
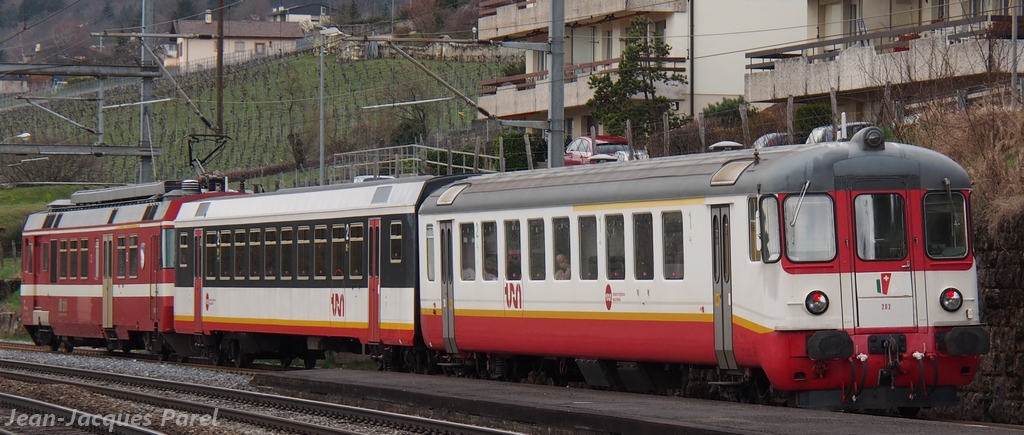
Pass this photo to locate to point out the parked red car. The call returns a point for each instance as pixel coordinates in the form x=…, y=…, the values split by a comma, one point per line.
x=586, y=150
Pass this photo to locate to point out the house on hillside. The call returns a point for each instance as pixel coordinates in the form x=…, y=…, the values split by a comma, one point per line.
x=708, y=42
x=310, y=16
x=196, y=49
x=882, y=58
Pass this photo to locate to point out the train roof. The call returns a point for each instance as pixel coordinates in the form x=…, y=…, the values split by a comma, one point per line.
x=384, y=197
x=827, y=166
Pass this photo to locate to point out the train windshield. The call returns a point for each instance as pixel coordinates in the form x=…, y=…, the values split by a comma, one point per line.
x=945, y=223
x=881, y=227
x=811, y=234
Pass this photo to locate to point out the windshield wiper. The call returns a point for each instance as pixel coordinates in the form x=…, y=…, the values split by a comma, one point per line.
x=799, y=203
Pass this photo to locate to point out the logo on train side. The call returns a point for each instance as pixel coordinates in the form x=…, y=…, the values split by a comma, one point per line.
x=882, y=284
x=513, y=295
x=608, y=296
x=338, y=305
x=209, y=301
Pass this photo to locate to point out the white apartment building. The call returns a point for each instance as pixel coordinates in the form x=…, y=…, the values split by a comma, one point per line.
x=708, y=40
x=881, y=55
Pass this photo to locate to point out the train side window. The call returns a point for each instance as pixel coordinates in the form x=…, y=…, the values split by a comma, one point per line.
x=396, y=241
x=513, y=255
x=287, y=253
x=753, y=248
x=430, y=252
x=615, y=239
x=563, y=255
x=133, y=256
x=881, y=226
x=83, y=271
x=225, y=254
x=945, y=225
x=46, y=257
x=255, y=248
x=303, y=247
x=320, y=252
x=73, y=263
x=537, y=254
x=467, y=249
x=167, y=259
x=771, y=248
x=29, y=255
x=672, y=244
x=338, y=247
x=212, y=255
x=490, y=250
x=355, y=253
x=182, y=249
x=588, y=248
x=643, y=246
x=62, y=260
x=270, y=253
x=241, y=263
x=122, y=256
x=811, y=233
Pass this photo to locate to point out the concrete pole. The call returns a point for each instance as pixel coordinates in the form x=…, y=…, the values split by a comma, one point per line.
x=556, y=69
x=321, y=50
x=1013, y=37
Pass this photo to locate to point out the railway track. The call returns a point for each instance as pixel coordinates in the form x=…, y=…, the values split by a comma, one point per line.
x=41, y=418
x=250, y=370
x=117, y=383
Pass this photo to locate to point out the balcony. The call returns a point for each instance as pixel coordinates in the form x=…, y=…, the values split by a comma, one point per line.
x=502, y=18
x=967, y=49
x=526, y=94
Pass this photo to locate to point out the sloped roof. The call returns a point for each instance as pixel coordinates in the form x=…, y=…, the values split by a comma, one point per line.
x=240, y=29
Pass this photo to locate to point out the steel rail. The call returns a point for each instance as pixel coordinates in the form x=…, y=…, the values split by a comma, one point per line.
x=363, y=415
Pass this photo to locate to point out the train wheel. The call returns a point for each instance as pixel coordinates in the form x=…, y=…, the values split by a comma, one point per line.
x=181, y=359
x=286, y=360
x=241, y=359
x=66, y=347
x=309, y=362
x=908, y=411
x=163, y=355
x=54, y=344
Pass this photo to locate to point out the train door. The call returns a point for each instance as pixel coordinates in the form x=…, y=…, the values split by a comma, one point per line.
x=721, y=265
x=108, y=281
x=883, y=276
x=197, y=281
x=154, y=272
x=373, y=280
x=447, y=288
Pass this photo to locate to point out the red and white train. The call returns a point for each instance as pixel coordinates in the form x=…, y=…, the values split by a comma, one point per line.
x=840, y=273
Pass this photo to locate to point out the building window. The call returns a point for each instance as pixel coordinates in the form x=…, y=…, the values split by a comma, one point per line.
x=239, y=46
x=261, y=48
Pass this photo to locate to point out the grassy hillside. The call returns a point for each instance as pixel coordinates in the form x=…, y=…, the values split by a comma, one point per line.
x=271, y=114
x=17, y=203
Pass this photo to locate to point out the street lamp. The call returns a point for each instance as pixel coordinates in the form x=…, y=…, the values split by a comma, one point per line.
x=324, y=33
x=23, y=136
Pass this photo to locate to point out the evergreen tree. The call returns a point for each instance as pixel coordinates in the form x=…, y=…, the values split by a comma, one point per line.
x=184, y=9
x=632, y=95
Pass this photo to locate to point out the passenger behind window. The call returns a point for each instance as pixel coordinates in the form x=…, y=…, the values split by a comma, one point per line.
x=515, y=266
x=562, y=263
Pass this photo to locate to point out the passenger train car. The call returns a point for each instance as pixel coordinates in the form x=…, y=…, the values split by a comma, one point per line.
x=840, y=273
x=95, y=271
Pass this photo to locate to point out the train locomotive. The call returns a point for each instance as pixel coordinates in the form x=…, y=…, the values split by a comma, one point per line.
x=840, y=273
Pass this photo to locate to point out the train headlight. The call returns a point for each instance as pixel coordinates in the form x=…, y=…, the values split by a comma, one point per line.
x=951, y=299
x=816, y=302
